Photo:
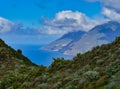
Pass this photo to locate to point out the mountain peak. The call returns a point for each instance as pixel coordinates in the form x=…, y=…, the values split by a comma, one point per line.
x=100, y=34
x=65, y=40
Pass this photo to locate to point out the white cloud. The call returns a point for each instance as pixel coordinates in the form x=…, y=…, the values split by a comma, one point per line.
x=111, y=9
x=9, y=27
x=51, y=30
x=5, y=25
x=66, y=21
x=113, y=4
x=111, y=14
x=63, y=22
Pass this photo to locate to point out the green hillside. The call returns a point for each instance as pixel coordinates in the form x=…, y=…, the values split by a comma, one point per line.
x=96, y=69
x=11, y=60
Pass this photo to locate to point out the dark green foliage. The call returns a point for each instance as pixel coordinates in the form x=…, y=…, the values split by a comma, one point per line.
x=96, y=69
x=19, y=51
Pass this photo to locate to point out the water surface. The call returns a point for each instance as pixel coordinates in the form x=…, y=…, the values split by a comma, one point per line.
x=38, y=56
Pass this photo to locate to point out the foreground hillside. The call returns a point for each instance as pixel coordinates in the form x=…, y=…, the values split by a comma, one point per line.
x=97, y=69
x=11, y=59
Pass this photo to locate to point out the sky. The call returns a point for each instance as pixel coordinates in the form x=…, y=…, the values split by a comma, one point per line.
x=43, y=21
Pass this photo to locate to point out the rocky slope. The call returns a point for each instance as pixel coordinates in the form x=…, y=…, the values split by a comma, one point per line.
x=65, y=40
x=101, y=34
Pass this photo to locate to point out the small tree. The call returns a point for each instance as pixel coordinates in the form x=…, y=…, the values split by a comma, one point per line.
x=19, y=51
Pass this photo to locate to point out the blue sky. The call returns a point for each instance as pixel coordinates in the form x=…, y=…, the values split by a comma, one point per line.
x=30, y=12
x=45, y=20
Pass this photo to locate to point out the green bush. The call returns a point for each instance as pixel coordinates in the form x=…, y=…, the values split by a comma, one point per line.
x=43, y=86
x=110, y=86
x=91, y=75
x=113, y=68
x=71, y=86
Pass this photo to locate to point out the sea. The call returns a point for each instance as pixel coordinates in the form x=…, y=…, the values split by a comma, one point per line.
x=38, y=56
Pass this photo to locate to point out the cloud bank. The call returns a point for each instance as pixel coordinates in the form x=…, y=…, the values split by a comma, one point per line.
x=63, y=22
x=5, y=25
x=113, y=4
x=110, y=8
x=111, y=14
x=67, y=21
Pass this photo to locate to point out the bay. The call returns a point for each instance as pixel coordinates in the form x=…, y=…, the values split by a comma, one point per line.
x=38, y=56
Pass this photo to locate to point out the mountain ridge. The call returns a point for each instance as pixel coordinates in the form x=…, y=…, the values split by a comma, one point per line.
x=101, y=34
x=64, y=41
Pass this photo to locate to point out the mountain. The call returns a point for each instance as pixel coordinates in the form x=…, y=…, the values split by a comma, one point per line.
x=96, y=69
x=101, y=34
x=62, y=42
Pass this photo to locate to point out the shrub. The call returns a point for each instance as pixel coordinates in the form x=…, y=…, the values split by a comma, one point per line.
x=99, y=62
x=113, y=68
x=43, y=86
x=57, y=85
x=91, y=75
x=71, y=86
x=19, y=51
x=110, y=86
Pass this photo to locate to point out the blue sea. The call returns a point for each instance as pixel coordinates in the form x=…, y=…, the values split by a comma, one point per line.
x=38, y=56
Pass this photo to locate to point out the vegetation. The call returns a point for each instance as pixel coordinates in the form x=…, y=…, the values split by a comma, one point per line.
x=96, y=69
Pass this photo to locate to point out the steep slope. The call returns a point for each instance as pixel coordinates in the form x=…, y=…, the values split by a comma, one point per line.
x=96, y=69
x=11, y=60
x=66, y=39
x=101, y=34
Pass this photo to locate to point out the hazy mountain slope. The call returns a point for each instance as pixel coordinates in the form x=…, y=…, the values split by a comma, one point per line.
x=96, y=69
x=81, y=43
x=66, y=39
x=101, y=34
